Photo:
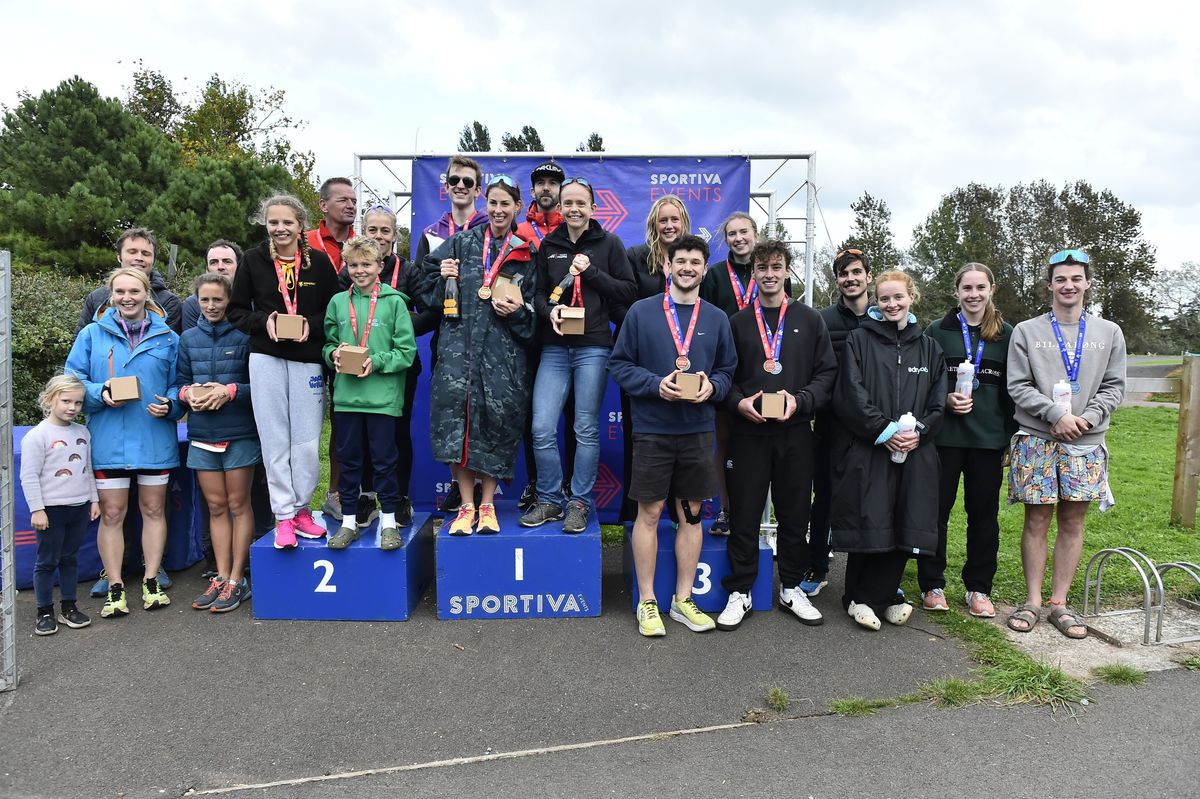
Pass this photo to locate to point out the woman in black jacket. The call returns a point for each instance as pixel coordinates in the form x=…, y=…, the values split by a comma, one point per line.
x=885, y=512
x=667, y=221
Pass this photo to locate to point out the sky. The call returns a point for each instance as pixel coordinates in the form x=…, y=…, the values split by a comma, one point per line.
x=905, y=100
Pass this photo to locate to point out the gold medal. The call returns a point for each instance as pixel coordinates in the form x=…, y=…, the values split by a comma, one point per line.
x=682, y=363
x=485, y=292
x=574, y=270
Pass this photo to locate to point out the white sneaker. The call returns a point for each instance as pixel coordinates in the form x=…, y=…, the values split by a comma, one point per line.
x=737, y=608
x=796, y=601
x=864, y=616
x=898, y=614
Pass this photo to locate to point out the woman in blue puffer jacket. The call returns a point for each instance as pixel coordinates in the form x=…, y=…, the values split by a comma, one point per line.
x=213, y=381
x=135, y=437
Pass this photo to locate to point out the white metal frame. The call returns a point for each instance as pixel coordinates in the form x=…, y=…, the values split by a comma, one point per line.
x=8, y=570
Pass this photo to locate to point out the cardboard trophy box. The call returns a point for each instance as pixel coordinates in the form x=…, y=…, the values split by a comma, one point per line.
x=201, y=391
x=121, y=389
x=505, y=287
x=773, y=406
x=289, y=327
x=689, y=384
x=352, y=359
x=572, y=321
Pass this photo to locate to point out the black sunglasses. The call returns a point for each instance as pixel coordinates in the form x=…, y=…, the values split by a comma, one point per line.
x=454, y=180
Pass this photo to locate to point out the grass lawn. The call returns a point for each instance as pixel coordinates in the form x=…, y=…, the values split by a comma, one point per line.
x=1141, y=443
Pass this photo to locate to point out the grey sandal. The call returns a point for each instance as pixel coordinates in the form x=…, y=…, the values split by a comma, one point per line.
x=1025, y=614
x=1064, y=619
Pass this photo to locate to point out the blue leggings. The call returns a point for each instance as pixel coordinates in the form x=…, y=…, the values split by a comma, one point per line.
x=58, y=546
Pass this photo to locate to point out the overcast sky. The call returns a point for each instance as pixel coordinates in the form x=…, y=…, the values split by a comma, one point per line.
x=905, y=100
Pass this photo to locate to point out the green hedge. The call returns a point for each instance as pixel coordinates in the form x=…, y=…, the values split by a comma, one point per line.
x=45, y=309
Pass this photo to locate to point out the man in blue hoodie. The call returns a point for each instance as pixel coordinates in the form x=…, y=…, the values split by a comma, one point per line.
x=665, y=341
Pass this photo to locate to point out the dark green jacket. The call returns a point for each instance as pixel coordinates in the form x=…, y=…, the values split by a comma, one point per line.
x=390, y=343
x=990, y=423
x=480, y=387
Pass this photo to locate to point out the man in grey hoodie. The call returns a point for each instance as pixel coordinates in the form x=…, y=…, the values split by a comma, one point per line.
x=136, y=249
x=1066, y=375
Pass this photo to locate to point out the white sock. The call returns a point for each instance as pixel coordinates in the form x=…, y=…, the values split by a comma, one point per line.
x=387, y=520
x=350, y=522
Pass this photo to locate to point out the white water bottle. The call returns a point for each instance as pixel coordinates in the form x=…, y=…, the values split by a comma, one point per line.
x=908, y=423
x=1061, y=393
x=965, y=384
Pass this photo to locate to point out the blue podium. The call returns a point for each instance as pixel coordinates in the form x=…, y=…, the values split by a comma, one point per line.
x=707, y=590
x=520, y=573
x=359, y=583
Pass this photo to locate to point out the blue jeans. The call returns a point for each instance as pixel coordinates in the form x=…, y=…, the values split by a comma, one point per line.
x=561, y=368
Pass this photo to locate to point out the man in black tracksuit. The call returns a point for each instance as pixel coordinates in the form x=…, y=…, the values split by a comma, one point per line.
x=781, y=347
x=852, y=271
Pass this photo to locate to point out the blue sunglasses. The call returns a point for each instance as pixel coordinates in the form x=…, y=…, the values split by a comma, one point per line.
x=1073, y=256
x=505, y=179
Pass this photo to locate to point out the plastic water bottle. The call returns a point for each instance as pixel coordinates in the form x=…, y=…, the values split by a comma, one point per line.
x=908, y=423
x=1061, y=394
x=965, y=384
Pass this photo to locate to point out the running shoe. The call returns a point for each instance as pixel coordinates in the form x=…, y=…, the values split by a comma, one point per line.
x=813, y=582
x=934, y=600
x=100, y=587
x=453, y=500
x=306, y=526
x=229, y=599
x=686, y=612
x=650, y=623
x=285, y=534
x=577, y=517
x=404, y=513
x=736, y=609
x=487, y=524
x=72, y=616
x=205, y=600
x=464, y=521
x=332, y=509
x=116, y=604
x=529, y=497
x=46, y=625
x=541, y=513
x=796, y=601
x=153, y=596
x=368, y=510
x=720, y=525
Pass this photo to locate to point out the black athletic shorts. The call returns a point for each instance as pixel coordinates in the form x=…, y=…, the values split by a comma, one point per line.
x=679, y=466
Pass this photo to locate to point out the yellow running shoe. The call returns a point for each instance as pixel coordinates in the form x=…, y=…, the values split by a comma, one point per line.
x=689, y=615
x=649, y=621
x=488, y=523
x=153, y=596
x=115, y=605
x=464, y=521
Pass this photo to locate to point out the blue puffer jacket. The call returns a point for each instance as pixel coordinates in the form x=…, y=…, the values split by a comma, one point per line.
x=218, y=354
x=128, y=437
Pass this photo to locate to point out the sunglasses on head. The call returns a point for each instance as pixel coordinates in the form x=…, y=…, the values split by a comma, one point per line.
x=850, y=251
x=383, y=208
x=454, y=180
x=1065, y=256
x=505, y=179
x=580, y=181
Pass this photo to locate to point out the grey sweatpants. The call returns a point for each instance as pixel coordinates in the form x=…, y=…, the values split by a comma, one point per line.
x=289, y=408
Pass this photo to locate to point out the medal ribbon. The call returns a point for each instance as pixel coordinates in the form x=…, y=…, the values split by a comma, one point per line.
x=682, y=345
x=395, y=272
x=338, y=264
x=362, y=342
x=742, y=294
x=489, y=271
x=1072, y=367
x=772, y=345
x=143, y=328
x=290, y=300
x=966, y=333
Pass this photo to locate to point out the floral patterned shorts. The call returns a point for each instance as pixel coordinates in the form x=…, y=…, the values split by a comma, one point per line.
x=1043, y=472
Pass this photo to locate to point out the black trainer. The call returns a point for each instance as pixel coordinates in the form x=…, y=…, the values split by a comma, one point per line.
x=72, y=616
x=528, y=497
x=453, y=500
x=720, y=525
x=367, y=510
x=404, y=513
x=45, y=622
x=541, y=513
x=577, y=517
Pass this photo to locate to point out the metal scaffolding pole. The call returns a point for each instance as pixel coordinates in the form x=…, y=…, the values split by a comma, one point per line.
x=8, y=571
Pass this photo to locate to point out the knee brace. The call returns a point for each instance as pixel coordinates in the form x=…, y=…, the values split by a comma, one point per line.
x=688, y=514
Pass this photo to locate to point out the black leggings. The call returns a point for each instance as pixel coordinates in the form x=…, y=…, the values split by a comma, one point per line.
x=982, y=474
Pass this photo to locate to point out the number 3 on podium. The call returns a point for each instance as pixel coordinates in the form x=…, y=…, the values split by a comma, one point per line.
x=325, y=587
x=703, y=584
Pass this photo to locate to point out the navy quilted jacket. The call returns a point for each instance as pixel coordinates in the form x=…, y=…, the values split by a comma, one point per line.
x=221, y=354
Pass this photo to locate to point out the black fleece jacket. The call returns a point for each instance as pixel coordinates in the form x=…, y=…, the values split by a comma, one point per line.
x=606, y=283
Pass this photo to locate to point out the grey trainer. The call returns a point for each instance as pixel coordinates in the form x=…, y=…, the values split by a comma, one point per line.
x=577, y=517
x=541, y=513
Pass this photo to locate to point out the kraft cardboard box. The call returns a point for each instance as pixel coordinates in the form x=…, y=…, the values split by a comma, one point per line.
x=505, y=287
x=352, y=359
x=689, y=384
x=773, y=406
x=200, y=391
x=289, y=327
x=122, y=389
x=572, y=322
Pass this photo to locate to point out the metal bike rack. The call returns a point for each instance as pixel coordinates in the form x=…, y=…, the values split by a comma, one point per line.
x=1145, y=569
x=1192, y=570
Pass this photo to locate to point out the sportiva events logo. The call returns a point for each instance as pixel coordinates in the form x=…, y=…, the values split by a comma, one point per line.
x=511, y=604
x=687, y=186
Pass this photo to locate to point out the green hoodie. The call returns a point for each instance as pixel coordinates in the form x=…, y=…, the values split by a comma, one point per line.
x=391, y=345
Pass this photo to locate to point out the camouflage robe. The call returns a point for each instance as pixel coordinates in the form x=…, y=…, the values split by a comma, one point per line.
x=480, y=388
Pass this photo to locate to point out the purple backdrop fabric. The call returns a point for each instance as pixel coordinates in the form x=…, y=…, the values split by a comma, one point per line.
x=711, y=188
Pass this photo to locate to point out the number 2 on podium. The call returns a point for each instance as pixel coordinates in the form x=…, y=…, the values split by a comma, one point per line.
x=325, y=587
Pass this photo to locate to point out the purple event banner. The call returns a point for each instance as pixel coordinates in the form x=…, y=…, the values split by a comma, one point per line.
x=625, y=187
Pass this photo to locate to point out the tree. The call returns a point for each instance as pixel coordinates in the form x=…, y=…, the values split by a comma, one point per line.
x=1179, y=304
x=528, y=141
x=475, y=138
x=152, y=97
x=76, y=168
x=871, y=232
x=1015, y=231
x=594, y=144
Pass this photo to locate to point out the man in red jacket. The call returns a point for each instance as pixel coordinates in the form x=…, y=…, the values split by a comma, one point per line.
x=339, y=205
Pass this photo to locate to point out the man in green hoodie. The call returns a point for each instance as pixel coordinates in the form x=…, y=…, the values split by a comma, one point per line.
x=368, y=397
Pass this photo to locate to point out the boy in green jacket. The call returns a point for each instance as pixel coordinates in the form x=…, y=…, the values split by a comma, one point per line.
x=369, y=342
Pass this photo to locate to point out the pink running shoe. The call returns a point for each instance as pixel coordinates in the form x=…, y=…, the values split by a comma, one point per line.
x=306, y=525
x=285, y=534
